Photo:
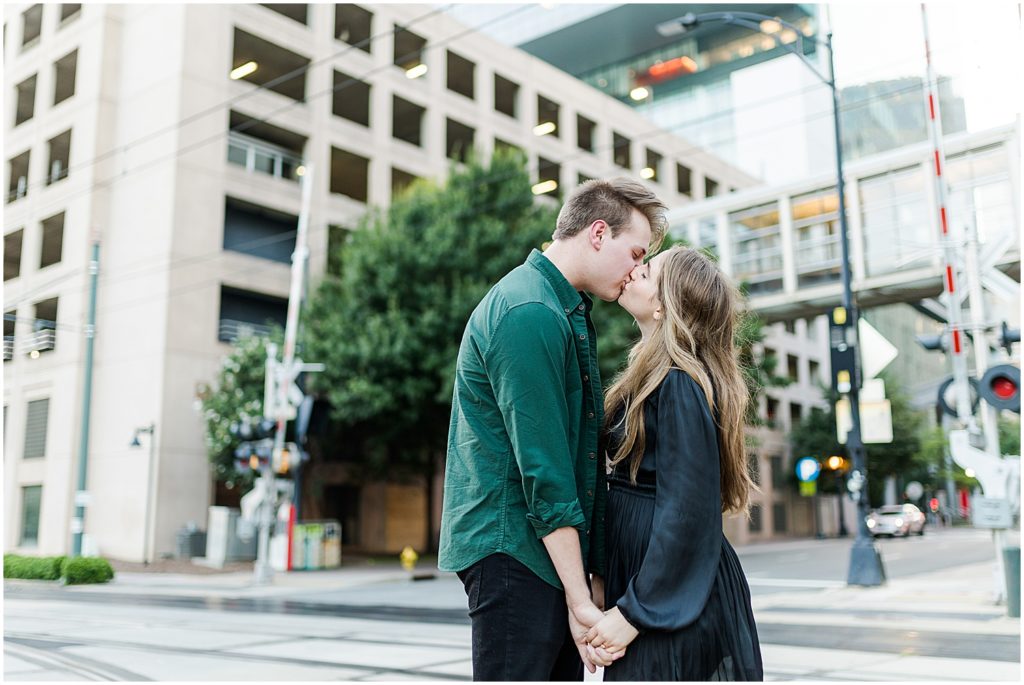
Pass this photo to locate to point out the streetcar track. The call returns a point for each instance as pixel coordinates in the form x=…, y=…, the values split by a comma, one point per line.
x=20, y=639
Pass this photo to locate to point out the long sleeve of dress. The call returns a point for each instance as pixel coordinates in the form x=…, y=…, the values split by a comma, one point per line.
x=681, y=561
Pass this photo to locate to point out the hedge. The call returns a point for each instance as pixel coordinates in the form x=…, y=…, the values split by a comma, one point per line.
x=76, y=571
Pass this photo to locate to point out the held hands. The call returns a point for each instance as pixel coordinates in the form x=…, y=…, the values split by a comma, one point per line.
x=582, y=618
x=612, y=634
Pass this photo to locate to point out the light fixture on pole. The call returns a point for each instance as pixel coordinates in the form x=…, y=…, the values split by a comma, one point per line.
x=865, y=561
x=149, y=430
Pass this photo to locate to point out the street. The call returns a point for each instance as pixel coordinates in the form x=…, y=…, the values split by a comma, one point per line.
x=933, y=620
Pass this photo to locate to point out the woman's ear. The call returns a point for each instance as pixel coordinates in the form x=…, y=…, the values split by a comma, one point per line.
x=657, y=314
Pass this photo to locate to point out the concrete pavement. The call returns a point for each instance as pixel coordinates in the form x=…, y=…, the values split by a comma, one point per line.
x=934, y=626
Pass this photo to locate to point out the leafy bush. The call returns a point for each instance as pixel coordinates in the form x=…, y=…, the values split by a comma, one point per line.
x=82, y=570
x=76, y=571
x=32, y=568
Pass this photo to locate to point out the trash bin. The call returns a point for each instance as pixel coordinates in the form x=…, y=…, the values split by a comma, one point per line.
x=1011, y=566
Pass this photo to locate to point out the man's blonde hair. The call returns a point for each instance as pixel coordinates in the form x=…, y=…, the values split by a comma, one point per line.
x=611, y=201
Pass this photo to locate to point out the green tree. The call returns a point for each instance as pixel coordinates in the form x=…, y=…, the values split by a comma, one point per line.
x=236, y=395
x=1009, y=434
x=388, y=327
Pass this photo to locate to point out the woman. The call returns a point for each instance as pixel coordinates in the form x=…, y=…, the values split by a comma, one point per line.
x=674, y=432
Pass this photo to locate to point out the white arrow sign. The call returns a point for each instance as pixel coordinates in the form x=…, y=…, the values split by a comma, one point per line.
x=876, y=352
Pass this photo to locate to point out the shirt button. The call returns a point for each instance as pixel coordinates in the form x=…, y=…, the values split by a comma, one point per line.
x=592, y=455
x=590, y=493
x=567, y=310
x=588, y=531
x=586, y=379
x=581, y=308
x=583, y=336
x=590, y=414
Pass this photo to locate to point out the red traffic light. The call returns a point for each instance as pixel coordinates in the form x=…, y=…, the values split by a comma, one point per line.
x=1000, y=387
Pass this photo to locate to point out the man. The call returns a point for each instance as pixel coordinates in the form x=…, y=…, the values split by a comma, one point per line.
x=523, y=518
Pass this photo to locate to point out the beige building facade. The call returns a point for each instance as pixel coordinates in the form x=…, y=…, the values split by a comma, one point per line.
x=172, y=135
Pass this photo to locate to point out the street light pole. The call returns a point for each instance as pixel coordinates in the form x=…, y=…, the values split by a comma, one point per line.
x=865, y=562
x=151, y=431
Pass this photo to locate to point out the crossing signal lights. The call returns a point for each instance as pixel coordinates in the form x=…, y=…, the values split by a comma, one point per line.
x=1000, y=387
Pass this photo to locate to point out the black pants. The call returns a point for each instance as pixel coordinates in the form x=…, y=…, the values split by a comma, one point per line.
x=520, y=624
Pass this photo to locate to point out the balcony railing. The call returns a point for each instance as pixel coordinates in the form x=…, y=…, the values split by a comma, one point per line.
x=231, y=330
x=8, y=347
x=261, y=157
x=44, y=340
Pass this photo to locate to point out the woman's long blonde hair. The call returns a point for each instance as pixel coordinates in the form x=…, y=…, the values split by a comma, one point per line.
x=695, y=334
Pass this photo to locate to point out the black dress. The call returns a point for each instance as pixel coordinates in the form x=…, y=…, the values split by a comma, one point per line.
x=671, y=571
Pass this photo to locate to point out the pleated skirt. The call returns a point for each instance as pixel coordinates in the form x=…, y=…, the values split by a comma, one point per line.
x=721, y=644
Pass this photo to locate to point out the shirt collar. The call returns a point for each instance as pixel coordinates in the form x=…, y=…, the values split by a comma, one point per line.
x=568, y=297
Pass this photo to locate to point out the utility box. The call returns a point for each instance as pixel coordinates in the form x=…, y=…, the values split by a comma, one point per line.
x=223, y=541
x=191, y=542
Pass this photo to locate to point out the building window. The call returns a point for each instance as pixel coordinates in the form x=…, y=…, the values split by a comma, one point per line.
x=772, y=411
x=582, y=178
x=790, y=327
x=296, y=11
x=244, y=313
x=64, y=71
x=547, y=117
x=263, y=63
x=506, y=96
x=459, y=139
x=779, y=523
x=684, y=183
x=12, y=254
x=352, y=25
x=17, y=187
x=505, y=147
x=585, y=133
x=778, y=473
x=36, y=420
x=755, y=525
x=757, y=247
x=460, y=75
x=815, y=372
x=31, y=25
x=69, y=10
x=409, y=50
x=259, y=231
x=793, y=367
x=264, y=148
x=44, y=329
x=652, y=170
x=818, y=251
x=621, y=153
x=25, y=97
x=337, y=238
x=349, y=174
x=53, y=241
x=31, y=499
x=548, y=176
x=400, y=182
x=60, y=154
x=10, y=318
x=710, y=187
x=795, y=414
x=754, y=468
x=351, y=99
x=407, y=121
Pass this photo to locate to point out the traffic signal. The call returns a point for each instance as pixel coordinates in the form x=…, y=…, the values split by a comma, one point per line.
x=1008, y=336
x=1000, y=387
x=933, y=342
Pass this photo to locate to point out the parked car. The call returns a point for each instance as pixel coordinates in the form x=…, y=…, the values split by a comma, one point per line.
x=896, y=519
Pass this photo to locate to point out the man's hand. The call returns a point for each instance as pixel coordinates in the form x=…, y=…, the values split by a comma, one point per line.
x=582, y=617
x=613, y=633
x=597, y=590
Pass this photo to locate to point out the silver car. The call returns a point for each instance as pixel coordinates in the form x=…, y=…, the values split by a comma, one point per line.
x=896, y=519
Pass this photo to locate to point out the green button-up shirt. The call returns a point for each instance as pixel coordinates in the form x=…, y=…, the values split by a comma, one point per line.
x=526, y=415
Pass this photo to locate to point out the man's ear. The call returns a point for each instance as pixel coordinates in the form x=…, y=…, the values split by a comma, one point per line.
x=596, y=233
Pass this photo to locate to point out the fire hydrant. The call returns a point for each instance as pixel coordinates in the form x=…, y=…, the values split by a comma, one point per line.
x=408, y=557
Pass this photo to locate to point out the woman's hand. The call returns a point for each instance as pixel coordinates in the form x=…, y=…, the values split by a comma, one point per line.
x=613, y=633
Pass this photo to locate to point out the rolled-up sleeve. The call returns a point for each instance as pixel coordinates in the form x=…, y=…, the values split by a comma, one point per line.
x=526, y=363
x=678, y=570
